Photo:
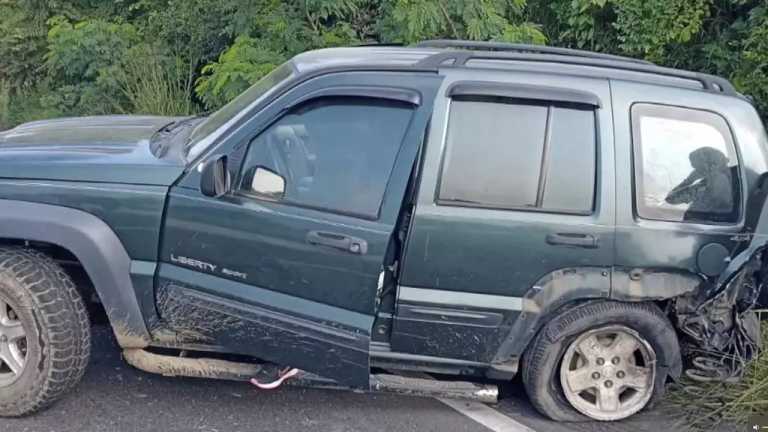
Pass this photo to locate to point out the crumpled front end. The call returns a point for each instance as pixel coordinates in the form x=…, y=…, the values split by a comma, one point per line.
x=720, y=327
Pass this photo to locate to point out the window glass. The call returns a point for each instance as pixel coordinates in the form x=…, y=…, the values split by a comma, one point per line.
x=334, y=153
x=570, y=182
x=203, y=134
x=494, y=153
x=496, y=149
x=687, y=169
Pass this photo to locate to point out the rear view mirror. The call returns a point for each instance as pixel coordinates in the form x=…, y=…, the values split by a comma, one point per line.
x=267, y=183
x=215, y=180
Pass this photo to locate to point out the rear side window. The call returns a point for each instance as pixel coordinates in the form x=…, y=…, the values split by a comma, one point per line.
x=512, y=154
x=686, y=167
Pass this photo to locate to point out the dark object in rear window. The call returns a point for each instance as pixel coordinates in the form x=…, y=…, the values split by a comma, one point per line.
x=686, y=167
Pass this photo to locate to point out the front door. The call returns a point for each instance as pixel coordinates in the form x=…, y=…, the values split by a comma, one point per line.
x=286, y=266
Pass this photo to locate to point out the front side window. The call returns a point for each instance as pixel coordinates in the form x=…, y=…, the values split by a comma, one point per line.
x=333, y=154
x=686, y=168
x=511, y=154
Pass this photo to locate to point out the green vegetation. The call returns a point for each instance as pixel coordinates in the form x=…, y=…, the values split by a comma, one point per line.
x=86, y=57
x=176, y=57
x=706, y=406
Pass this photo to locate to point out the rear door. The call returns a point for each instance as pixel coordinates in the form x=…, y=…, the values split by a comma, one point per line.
x=517, y=191
x=292, y=277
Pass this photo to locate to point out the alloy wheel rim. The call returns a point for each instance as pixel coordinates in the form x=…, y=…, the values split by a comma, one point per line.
x=13, y=345
x=608, y=373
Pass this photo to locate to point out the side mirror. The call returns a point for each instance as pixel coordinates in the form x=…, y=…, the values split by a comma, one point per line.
x=265, y=182
x=215, y=180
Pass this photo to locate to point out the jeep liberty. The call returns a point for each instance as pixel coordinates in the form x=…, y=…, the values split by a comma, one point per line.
x=430, y=219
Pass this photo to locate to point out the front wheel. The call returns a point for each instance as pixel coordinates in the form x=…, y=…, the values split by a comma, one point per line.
x=44, y=332
x=602, y=361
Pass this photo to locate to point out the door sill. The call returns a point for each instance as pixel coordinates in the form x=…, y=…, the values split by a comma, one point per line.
x=383, y=357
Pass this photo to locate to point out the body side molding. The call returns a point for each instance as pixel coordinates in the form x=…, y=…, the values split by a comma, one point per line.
x=458, y=298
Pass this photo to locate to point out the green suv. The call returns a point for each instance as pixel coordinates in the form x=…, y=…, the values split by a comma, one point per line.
x=381, y=218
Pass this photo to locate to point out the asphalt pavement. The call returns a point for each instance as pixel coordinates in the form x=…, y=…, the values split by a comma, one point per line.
x=116, y=397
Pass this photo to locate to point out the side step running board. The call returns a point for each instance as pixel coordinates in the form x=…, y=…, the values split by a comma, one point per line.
x=228, y=370
x=191, y=367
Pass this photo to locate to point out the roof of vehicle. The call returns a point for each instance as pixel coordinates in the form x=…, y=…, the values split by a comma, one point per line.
x=434, y=55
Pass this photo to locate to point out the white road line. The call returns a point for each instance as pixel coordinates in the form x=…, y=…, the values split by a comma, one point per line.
x=486, y=416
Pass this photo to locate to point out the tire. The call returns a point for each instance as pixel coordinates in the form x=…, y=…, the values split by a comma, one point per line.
x=42, y=299
x=544, y=372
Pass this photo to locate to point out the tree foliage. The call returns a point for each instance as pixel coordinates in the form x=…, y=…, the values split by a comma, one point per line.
x=752, y=72
x=501, y=20
x=243, y=63
x=75, y=57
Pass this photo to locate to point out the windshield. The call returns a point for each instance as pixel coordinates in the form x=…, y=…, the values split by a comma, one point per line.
x=213, y=126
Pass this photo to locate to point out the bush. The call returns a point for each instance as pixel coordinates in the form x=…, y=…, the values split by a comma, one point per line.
x=79, y=57
x=25, y=105
x=101, y=67
x=5, y=105
x=73, y=48
x=152, y=84
x=238, y=67
x=752, y=76
x=706, y=406
x=79, y=52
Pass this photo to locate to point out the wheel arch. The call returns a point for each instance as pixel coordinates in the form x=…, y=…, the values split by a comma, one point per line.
x=552, y=294
x=565, y=289
x=97, y=248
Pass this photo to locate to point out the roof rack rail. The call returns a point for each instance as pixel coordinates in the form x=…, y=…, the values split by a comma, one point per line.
x=523, y=48
x=460, y=56
x=378, y=44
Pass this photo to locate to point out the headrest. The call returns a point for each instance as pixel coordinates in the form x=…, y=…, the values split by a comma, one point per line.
x=285, y=132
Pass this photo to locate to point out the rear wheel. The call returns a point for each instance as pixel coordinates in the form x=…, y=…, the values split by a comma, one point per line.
x=608, y=373
x=44, y=332
x=602, y=361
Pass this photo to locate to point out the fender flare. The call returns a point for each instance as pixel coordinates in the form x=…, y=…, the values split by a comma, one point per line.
x=571, y=287
x=550, y=293
x=98, y=249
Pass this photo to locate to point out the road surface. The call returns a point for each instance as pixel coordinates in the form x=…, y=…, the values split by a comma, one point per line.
x=116, y=397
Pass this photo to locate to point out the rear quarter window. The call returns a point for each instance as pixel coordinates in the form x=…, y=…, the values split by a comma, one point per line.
x=686, y=165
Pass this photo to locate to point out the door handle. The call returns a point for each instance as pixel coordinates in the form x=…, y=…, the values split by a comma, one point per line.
x=587, y=241
x=343, y=242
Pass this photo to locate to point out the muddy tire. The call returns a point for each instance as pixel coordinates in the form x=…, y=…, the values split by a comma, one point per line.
x=45, y=338
x=600, y=361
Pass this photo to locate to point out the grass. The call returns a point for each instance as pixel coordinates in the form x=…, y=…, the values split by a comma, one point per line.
x=154, y=87
x=5, y=105
x=707, y=406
